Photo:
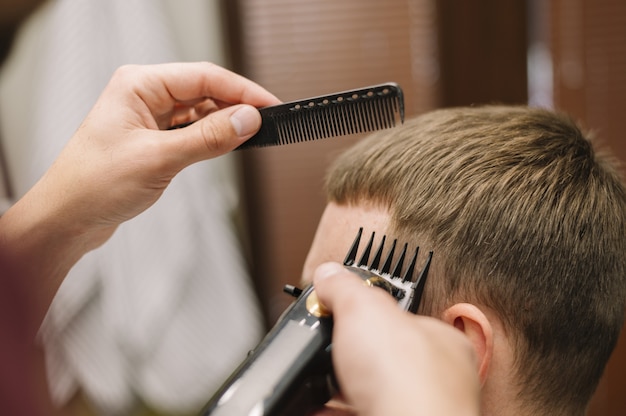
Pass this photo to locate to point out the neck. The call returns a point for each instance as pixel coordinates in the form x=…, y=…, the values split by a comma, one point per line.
x=507, y=402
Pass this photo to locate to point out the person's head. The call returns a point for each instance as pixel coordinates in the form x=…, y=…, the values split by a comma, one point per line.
x=527, y=223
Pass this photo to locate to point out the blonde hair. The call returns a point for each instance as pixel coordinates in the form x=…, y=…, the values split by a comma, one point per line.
x=524, y=216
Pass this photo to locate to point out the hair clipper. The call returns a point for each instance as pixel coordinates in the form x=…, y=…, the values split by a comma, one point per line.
x=290, y=372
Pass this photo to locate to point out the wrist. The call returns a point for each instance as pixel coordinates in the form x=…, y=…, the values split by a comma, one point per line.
x=39, y=244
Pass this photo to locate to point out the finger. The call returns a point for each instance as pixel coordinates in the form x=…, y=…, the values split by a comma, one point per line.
x=344, y=293
x=188, y=112
x=213, y=135
x=218, y=83
x=164, y=84
x=205, y=107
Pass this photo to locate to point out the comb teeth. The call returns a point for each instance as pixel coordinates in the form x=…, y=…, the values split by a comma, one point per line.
x=409, y=271
x=349, y=112
x=387, y=264
x=397, y=270
x=351, y=256
x=379, y=254
x=418, y=288
x=404, y=281
x=366, y=253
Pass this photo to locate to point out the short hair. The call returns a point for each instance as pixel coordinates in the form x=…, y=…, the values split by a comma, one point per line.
x=525, y=217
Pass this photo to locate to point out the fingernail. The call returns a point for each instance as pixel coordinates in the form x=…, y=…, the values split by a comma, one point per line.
x=245, y=121
x=324, y=271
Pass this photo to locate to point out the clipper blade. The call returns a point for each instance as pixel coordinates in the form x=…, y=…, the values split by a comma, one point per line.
x=407, y=290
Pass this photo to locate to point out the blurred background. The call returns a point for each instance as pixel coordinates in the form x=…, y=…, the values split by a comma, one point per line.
x=563, y=54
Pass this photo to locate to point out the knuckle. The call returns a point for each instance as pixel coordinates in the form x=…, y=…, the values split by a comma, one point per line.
x=124, y=71
x=126, y=74
x=212, y=135
x=208, y=65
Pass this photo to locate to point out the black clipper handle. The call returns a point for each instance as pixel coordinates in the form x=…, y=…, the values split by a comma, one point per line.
x=290, y=372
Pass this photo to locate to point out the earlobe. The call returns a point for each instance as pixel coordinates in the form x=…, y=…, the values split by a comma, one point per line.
x=470, y=320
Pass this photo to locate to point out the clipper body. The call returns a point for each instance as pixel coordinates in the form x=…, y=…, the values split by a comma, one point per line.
x=290, y=372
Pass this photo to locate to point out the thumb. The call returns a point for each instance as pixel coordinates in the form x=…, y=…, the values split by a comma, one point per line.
x=216, y=134
x=333, y=282
x=344, y=292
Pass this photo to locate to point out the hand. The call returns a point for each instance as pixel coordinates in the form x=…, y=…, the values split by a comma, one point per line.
x=121, y=159
x=116, y=165
x=390, y=362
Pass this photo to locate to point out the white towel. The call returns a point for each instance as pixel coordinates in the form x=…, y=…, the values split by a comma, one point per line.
x=164, y=310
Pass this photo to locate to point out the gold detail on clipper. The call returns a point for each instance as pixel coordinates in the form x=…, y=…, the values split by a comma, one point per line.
x=315, y=307
x=378, y=281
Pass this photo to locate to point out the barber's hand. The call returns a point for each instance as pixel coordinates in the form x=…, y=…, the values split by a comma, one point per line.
x=119, y=162
x=123, y=157
x=390, y=362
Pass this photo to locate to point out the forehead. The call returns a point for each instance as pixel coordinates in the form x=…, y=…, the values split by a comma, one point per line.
x=336, y=232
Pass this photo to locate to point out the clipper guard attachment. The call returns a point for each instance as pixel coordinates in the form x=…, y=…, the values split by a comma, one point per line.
x=387, y=275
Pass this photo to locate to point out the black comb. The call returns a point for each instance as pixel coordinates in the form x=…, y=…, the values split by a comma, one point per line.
x=349, y=112
x=392, y=273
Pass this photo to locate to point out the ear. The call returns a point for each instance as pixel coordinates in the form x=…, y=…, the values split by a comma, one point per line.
x=470, y=320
